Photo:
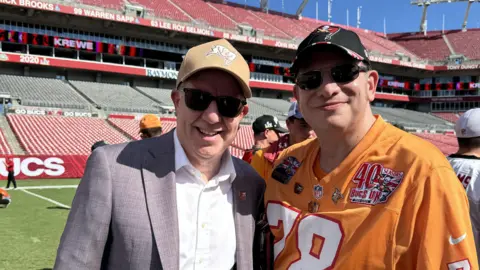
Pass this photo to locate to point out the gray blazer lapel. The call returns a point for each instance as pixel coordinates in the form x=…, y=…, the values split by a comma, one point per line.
x=159, y=181
x=244, y=223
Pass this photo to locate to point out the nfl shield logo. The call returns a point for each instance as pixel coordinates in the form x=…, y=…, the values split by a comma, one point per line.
x=317, y=191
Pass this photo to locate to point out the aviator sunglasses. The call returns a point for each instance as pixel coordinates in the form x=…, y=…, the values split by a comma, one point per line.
x=311, y=80
x=199, y=100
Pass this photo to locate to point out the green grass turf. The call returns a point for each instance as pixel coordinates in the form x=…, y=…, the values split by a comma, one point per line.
x=42, y=182
x=31, y=227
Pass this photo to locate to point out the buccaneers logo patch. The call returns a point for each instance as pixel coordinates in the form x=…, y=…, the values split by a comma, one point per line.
x=375, y=184
x=329, y=30
x=223, y=52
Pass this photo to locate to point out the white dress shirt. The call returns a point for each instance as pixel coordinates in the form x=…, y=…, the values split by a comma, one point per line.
x=205, y=214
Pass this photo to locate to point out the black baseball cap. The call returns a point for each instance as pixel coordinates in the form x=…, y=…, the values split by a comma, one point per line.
x=331, y=36
x=98, y=144
x=265, y=122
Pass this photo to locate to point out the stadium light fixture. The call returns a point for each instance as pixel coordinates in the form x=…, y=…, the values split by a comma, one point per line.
x=301, y=7
x=426, y=3
x=264, y=5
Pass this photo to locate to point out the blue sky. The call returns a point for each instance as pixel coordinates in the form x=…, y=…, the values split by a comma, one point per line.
x=400, y=15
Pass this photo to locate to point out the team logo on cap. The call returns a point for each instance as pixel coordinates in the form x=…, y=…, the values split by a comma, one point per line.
x=222, y=51
x=331, y=30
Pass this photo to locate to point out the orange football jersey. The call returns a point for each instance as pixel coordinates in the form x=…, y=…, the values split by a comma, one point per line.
x=393, y=203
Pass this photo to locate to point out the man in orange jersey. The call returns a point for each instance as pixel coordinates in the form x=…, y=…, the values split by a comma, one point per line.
x=365, y=195
x=299, y=130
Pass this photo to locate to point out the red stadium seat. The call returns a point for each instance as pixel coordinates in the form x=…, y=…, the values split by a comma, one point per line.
x=202, y=11
x=244, y=139
x=46, y=135
x=451, y=117
x=4, y=146
x=432, y=46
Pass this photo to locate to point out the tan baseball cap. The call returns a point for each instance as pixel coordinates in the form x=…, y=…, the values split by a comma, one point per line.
x=218, y=54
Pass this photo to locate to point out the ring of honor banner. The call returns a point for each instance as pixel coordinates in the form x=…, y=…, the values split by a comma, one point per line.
x=66, y=43
x=41, y=167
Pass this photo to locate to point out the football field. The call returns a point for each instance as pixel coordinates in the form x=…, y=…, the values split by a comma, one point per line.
x=31, y=226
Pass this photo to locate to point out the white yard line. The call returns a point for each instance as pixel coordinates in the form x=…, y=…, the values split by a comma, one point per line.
x=45, y=187
x=46, y=199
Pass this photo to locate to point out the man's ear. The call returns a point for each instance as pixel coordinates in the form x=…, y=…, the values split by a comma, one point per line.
x=176, y=97
x=245, y=110
x=372, y=82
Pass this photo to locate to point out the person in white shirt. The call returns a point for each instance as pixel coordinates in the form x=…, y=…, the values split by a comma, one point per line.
x=466, y=163
x=190, y=204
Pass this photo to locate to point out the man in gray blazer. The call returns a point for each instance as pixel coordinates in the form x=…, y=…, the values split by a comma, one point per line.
x=178, y=201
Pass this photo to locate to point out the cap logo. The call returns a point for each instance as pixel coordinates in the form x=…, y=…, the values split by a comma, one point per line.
x=268, y=125
x=331, y=30
x=222, y=51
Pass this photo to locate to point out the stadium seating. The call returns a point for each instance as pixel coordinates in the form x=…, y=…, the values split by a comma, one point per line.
x=431, y=46
x=116, y=97
x=131, y=127
x=450, y=117
x=108, y=4
x=158, y=94
x=244, y=139
x=384, y=42
x=287, y=25
x=466, y=43
x=410, y=118
x=256, y=110
x=47, y=135
x=203, y=12
x=447, y=144
x=4, y=146
x=42, y=92
x=371, y=40
x=279, y=105
x=241, y=15
x=164, y=9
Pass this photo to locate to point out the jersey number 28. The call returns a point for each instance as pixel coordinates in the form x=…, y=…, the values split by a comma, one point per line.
x=310, y=229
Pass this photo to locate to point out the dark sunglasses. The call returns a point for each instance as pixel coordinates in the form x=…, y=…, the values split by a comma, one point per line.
x=311, y=80
x=199, y=100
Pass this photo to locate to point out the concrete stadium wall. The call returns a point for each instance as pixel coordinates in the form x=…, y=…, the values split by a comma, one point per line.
x=9, y=69
x=79, y=75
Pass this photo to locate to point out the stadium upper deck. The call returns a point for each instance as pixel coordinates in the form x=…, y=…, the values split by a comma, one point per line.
x=148, y=38
x=109, y=57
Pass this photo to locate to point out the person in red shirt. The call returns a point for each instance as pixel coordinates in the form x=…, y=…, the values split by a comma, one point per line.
x=266, y=130
x=11, y=175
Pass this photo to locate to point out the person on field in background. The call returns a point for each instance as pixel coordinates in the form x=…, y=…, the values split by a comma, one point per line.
x=5, y=199
x=363, y=194
x=9, y=165
x=466, y=164
x=150, y=126
x=266, y=130
x=298, y=131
